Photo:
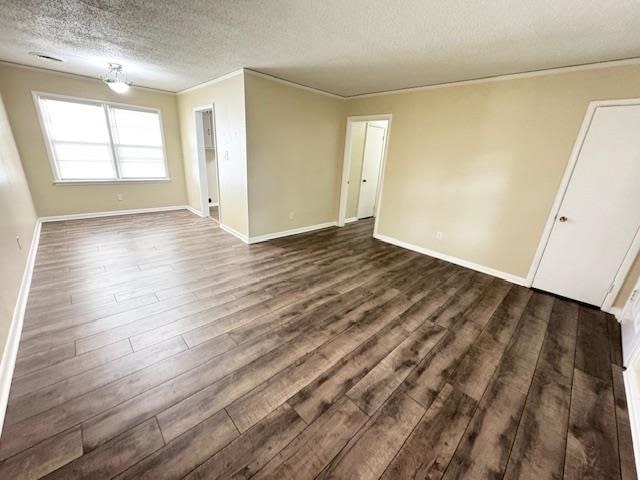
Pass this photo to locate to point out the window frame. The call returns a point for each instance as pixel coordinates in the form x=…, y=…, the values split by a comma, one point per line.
x=104, y=104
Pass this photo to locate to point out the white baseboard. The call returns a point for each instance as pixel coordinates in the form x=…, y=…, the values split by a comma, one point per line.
x=214, y=204
x=8, y=362
x=195, y=211
x=113, y=213
x=235, y=233
x=294, y=231
x=352, y=219
x=458, y=261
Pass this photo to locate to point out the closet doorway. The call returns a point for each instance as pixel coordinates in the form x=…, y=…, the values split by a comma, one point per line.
x=365, y=151
x=207, y=161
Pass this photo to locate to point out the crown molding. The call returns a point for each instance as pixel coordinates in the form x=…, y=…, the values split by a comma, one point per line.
x=78, y=75
x=273, y=78
x=508, y=76
x=213, y=81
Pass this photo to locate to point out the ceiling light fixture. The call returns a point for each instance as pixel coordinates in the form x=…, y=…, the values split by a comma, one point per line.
x=116, y=79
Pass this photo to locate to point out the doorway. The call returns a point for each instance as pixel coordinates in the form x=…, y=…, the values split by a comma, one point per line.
x=594, y=229
x=365, y=152
x=207, y=161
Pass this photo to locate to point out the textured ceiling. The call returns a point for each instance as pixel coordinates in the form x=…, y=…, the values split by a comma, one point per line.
x=346, y=47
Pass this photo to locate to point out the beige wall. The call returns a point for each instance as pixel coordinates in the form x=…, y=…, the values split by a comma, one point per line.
x=295, y=140
x=358, y=131
x=16, y=85
x=229, y=99
x=482, y=162
x=17, y=219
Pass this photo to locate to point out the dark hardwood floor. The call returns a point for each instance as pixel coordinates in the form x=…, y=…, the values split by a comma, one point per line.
x=158, y=346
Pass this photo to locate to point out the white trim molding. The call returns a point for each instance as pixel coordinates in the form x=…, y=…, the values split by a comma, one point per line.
x=234, y=232
x=503, y=77
x=293, y=231
x=255, y=73
x=350, y=220
x=115, y=213
x=227, y=76
x=458, y=261
x=8, y=362
x=346, y=165
x=633, y=250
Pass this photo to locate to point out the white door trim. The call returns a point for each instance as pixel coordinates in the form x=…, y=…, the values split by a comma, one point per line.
x=562, y=189
x=346, y=164
x=202, y=162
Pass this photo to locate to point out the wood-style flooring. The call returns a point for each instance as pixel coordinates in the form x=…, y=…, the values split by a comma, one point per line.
x=158, y=346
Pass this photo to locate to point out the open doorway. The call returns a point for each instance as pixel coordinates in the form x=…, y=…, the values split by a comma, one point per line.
x=365, y=151
x=207, y=161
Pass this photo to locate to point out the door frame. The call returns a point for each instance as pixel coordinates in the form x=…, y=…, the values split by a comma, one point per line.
x=201, y=158
x=634, y=248
x=346, y=165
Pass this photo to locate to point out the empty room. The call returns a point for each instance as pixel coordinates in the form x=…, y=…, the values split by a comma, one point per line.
x=319, y=239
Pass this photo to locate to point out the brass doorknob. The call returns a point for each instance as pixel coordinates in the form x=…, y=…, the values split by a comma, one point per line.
x=563, y=219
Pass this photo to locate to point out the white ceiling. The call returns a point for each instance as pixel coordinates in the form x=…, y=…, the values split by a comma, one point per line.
x=346, y=47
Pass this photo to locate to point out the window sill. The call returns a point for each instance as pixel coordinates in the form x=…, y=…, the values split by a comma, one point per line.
x=109, y=182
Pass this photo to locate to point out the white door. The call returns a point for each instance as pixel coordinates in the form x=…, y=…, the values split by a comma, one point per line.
x=600, y=212
x=371, y=162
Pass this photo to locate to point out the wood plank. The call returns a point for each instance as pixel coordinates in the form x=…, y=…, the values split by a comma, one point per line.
x=428, y=378
x=503, y=322
x=592, y=350
x=37, y=461
x=26, y=364
x=190, y=411
x=429, y=448
x=50, y=396
x=518, y=364
x=372, y=449
x=484, y=448
x=115, y=456
x=68, y=368
x=539, y=447
x=309, y=453
x=592, y=442
x=377, y=385
x=179, y=457
x=248, y=453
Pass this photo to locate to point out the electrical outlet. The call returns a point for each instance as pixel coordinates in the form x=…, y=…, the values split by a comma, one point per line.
x=439, y=235
x=292, y=215
x=120, y=197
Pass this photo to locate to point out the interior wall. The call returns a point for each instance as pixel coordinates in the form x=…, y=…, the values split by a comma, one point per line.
x=17, y=219
x=295, y=140
x=482, y=162
x=229, y=98
x=358, y=132
x=16, y=85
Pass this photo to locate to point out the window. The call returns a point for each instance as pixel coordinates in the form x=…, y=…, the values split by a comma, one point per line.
x=94, y=141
